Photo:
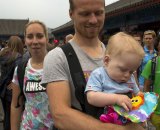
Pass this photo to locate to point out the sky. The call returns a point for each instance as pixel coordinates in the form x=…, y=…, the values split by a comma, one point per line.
x=53, y=13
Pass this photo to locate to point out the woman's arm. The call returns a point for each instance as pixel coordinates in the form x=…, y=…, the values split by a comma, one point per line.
x=67, y=118
x=16, y=112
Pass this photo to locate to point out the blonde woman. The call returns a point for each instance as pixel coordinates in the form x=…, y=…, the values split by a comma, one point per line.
x=36, y=115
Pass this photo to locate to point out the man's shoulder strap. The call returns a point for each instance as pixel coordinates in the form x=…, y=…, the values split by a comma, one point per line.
x=76, y=72
x=79, y=81
x=74, y=64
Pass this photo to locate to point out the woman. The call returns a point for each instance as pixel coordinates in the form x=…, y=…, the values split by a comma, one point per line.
x=36, y=115
x=9, y=57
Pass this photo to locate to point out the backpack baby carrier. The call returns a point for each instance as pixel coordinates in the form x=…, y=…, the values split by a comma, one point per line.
x=79, y=81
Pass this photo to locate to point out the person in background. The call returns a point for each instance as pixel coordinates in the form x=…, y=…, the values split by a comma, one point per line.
x=68, y=38
x=1, y=112
x=146, y=73
x=112, y=83
x=10, y=56
x=36, y=115
x=1, y=46
x=138, y=37
x=88, y=19
x=149, y=40
x=50, y=46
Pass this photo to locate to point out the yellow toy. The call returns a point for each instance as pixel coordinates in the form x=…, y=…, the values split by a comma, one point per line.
x=143, y=106
x=137, y=101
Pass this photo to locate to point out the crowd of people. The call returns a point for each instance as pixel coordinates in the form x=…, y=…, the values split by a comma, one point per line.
x=52, y=95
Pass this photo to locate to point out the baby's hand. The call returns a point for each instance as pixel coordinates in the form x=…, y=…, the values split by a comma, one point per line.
x=140, y=93
x=124, y=101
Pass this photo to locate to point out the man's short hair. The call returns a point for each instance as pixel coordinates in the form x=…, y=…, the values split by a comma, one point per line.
x=71, y=3
x=150, y=32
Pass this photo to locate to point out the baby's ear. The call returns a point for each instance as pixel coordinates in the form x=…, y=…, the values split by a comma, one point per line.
x=106, y=59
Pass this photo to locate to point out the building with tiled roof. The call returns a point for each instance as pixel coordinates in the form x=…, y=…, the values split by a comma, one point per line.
x=124, y=15
x=10, y=27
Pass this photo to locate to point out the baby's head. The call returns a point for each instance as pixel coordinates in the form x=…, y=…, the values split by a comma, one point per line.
x=122, y=57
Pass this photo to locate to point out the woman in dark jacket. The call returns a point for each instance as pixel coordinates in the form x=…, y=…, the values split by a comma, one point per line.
x=9, y=58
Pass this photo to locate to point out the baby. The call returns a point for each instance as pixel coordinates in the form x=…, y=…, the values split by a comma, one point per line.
x=110, y=84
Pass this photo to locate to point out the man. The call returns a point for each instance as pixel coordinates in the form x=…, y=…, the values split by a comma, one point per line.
x=88, y=18
x=137, y=36
x=68, y=37
x=148, y=39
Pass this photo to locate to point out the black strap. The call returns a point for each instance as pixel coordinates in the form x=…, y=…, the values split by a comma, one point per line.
x=153, y=69
x=20, y=75
x=76, y=73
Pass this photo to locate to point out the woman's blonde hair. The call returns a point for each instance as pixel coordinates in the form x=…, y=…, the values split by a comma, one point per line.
x=123, y=43
x=14, y=46
x=37, y=22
